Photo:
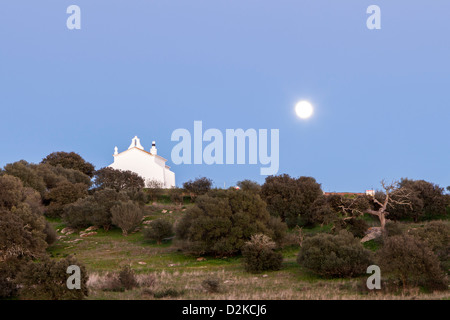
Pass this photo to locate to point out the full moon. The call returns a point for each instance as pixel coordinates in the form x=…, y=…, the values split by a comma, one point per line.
x=304, y=109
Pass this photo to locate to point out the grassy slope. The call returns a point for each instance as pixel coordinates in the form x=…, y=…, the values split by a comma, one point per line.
x=171, y=269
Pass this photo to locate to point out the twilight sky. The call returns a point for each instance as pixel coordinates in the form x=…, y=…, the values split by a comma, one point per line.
x=146, y=68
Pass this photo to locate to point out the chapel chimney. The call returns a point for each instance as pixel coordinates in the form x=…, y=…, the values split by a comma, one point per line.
x=153, y=150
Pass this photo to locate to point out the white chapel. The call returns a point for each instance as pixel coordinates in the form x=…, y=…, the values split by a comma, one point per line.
x=149, y=165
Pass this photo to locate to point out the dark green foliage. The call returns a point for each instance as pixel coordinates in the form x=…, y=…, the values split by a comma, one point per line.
x=357, y=227
x=127, y=278
x=277, y=230
x=176, y=195
x=289, y=198
x=8, y=272
x=222, y=221
x=28, y=174
x=94, y=209
x=158, y=230
x=320, y=212
x=339, y=255
x=411, y=262
x=392, y=229
x=127, y=216
x=47, y=280
x=109, y=178
x=69, y=160
x=154, y=189
x=21, y=222
x=259, y=254
x=50, y=234
x=437, y=235
x=198, y=187
x=248, y=185
x=62, y=195
x=427, y=199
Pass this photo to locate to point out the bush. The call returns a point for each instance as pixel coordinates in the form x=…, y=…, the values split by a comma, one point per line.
x=109, y=178
x=47, y=280
x=212, y=285
x=62, y=195
x=154, y=189
x=222, y=221
x=357, y=227
x=289, y=198
x=437, y=235
x=198, y=187
x=127, y=278
x=339, y=255
x=176, y=195
x=320, y=212
x=411, y=262
x=259, y=254
x=8, y=271
x=50, y=234
x=127, y=216
x=158, y=230
x=70, y=160
x=392, y=229
x=277, y=230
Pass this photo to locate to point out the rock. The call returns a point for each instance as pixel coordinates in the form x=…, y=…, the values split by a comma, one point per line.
x=164, y=211
x=264, y=275
x=147, y=222
x=142, y=262
x=170, y=211
x=92, y=228
x=372, y=233
x=67, y=231
x=173, y=265
x=201, y=259
x=88, y=234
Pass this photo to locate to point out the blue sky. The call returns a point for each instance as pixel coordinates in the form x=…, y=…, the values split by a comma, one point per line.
x=146, y=68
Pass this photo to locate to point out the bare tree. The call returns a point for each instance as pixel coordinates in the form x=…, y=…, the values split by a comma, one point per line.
x=391, y=196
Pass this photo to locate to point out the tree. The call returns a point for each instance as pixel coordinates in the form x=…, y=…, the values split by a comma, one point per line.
x=289, y=198
x=154, y=188
x=412, y=262
x=127, y=216
x=70, y=160
x=377, y=204
x=62, y=195
x=198, y=187
x=28, y=174
x=158, y=230
x=339, y=255
x=21, y=222
x=176, y=195
x=221, y=222
x=427, y=199
x=248, y=185
x=47, y=280
x=118, y=180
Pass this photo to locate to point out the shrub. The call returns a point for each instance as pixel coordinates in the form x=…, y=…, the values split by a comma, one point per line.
x=62, y=195
x=8, y=271
x=154, y=188
x=411, y=262
x=339, y=255
x=158, y=230
x=392, y=229
x=288, y=197
x=169, y=292
x=357, y=227
x=248, y=185
x=222, y=221
x=198, y=187
x=109, y=178
x=437, y=235
x=277, y=230
x=176, y=195
x=212, y=285
x=47, y=280
x=127, y=278
x=320, y=212
x=70, y=160
x=259, y=254
x=127, y=216
x=50, y=234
